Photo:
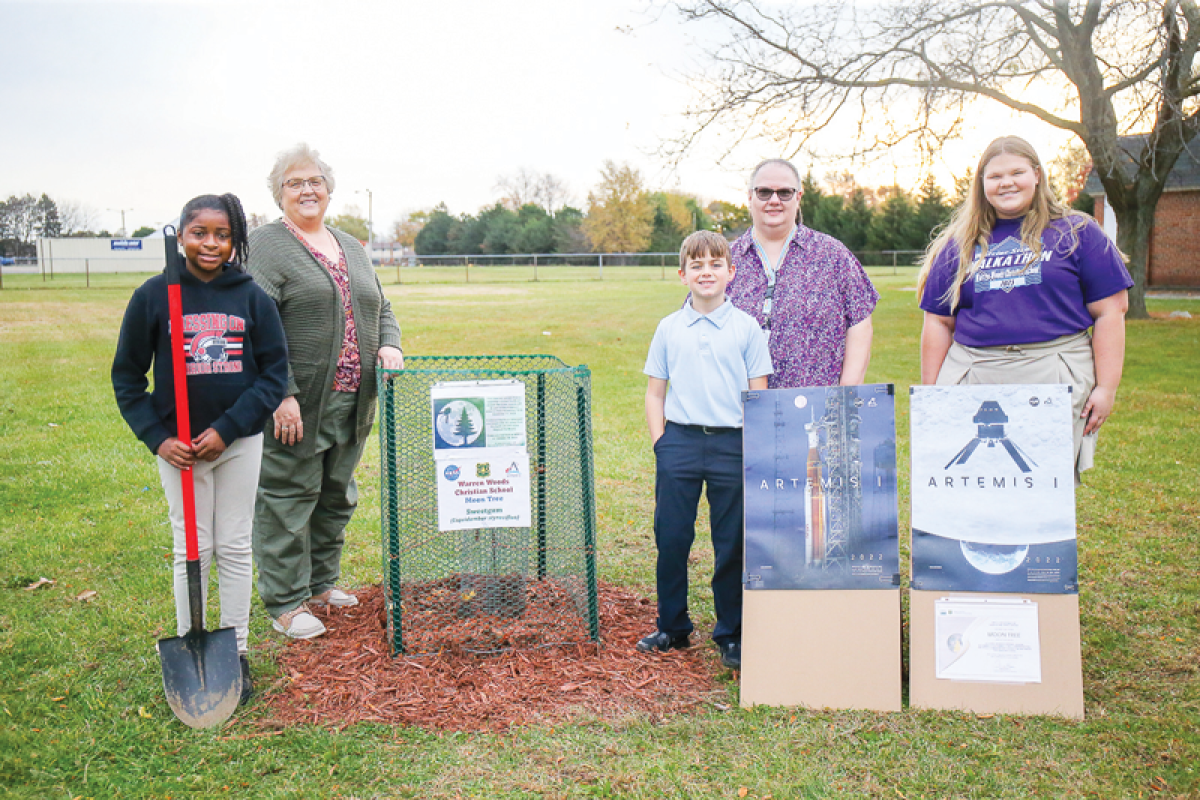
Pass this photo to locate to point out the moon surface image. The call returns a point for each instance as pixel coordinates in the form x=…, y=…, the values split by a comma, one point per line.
x=994, y=559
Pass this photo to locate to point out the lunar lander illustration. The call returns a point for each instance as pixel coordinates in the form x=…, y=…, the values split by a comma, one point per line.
x=991, y=419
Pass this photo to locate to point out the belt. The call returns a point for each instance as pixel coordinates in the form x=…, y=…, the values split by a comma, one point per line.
x=706, y=429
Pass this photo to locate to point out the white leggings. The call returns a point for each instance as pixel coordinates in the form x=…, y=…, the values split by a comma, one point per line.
x=225, y=491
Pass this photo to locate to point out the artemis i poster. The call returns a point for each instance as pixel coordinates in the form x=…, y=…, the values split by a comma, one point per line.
x=480, y=454
x=820, y=467
x=993, y=491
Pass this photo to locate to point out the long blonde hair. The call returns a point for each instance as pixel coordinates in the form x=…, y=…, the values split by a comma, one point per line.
x=971, y=224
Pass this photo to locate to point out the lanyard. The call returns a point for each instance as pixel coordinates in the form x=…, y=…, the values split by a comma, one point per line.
x=771, y=270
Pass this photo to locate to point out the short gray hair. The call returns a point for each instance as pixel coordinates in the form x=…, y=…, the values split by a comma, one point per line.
x=288, y=160
x=783, y=162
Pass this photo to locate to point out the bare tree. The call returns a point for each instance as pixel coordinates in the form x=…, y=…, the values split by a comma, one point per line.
x=909, y=71
x=518, y=189
x=552, y=192
x=529, y=186
x=841, y=183
x=1069, y=171
x=75, y=217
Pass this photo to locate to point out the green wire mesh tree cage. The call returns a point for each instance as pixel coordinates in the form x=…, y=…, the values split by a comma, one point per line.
x=483, y=589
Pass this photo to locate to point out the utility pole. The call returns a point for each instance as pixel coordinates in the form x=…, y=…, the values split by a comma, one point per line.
x=122, y=213
x=370, y=218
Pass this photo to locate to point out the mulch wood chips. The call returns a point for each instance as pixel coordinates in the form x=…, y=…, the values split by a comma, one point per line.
x=349, y=675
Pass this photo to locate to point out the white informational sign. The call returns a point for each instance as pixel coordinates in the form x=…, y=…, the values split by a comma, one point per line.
x=479, y=491
x=480, y=454
x=989, y=640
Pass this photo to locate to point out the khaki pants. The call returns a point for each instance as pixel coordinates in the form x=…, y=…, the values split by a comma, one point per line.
x=224, y=513
x=304, y=506
x=1066, y=360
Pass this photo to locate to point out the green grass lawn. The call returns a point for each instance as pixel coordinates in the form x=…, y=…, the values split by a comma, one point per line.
x=81, y=706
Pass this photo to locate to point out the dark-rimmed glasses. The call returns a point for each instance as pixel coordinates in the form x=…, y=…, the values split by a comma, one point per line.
x=764, y=194
x=298, y=184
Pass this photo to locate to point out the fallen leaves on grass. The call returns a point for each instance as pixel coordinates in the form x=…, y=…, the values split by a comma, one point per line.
x=349, y=676
x=87, y=595
x=39, y=583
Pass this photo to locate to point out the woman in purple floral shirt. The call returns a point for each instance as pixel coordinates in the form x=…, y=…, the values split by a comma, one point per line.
x=805, y=288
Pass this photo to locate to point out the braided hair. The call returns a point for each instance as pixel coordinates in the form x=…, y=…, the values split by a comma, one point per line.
x=231, y=207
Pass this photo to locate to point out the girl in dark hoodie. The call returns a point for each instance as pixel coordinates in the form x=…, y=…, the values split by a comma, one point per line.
x=236, y=361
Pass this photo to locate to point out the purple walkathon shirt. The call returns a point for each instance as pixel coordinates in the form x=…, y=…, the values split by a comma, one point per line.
x=820, y=292
x=1014, y=298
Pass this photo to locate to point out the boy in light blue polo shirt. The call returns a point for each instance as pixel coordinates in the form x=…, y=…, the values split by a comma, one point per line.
x=701, y=360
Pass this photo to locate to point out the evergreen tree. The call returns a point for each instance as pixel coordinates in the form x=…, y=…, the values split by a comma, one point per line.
x=500, y=228
x=48, y=223
x=810, y=200
x=536, y=234
x=932, y=212
x=434, y=236
x=569, y=236
x=893, y=226
x=830, y=217
x=464, y=428
x=675, y=217
x=856, y=220
x=465, y=236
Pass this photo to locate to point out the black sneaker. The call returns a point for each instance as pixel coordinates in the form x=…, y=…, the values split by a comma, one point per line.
x=663, y=642
x=731, y=655
x=247, y=684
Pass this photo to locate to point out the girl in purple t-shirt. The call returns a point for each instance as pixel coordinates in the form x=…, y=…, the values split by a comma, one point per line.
x=1012, y=285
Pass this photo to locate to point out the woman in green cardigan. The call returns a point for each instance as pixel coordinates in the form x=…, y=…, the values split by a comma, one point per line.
x=339, y=325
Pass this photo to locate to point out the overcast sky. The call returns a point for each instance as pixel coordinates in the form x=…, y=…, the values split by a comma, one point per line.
x=143, y=105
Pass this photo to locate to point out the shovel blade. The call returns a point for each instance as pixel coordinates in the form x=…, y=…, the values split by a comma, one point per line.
x=202, y=676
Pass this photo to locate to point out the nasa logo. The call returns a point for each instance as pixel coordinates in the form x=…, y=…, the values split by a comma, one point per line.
x=451, y=472
x=1033, y=402
x=209, y=347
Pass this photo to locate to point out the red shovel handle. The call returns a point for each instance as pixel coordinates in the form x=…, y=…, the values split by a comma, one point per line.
x=175, y=310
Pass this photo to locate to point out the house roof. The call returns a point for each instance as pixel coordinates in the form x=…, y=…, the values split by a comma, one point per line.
x=1185, y=174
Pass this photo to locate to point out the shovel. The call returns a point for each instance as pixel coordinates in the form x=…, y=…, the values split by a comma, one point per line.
x=202, y=676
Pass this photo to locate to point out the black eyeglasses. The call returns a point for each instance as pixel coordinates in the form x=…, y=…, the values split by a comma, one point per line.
x=764, y=194
x=298, y=184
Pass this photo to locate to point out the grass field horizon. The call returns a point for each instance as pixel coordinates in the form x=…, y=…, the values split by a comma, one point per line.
x=80, y=690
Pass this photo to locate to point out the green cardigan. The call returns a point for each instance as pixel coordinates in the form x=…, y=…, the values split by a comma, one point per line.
x=314, y=323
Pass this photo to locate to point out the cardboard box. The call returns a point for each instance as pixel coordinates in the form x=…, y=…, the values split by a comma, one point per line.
x=1060, y=691
x=821, y=649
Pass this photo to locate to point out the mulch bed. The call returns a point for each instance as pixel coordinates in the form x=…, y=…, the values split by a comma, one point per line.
x=349, y=675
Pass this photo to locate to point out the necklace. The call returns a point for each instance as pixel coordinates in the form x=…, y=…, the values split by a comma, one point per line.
x=330, y=248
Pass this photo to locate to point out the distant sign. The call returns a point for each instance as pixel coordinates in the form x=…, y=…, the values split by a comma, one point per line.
x=125, y=244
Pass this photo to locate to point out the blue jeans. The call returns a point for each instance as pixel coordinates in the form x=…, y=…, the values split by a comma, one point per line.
x=689, y=459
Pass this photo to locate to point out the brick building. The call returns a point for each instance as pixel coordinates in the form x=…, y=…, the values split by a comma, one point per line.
x=1175, y=241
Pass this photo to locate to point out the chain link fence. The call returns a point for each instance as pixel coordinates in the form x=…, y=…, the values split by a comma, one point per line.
x=121, y=273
